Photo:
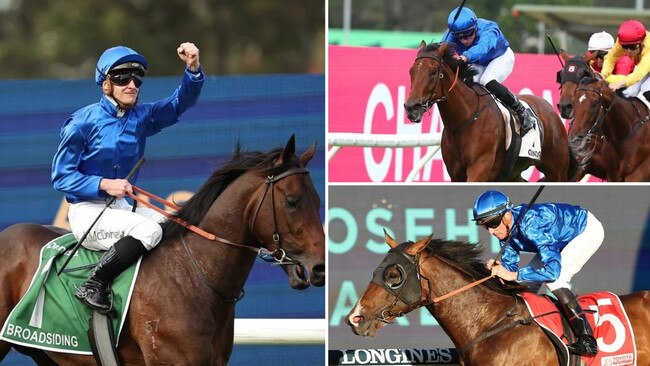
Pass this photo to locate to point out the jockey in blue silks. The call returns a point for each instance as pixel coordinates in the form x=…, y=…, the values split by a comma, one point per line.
x=99, y=144
x=563, y=237
x=481, y=43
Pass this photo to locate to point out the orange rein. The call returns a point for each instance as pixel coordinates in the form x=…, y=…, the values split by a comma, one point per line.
x=457, y=291
x=177, y=220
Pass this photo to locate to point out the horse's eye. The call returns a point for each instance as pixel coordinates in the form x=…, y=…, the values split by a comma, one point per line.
x=393, y=276
x=292, y=201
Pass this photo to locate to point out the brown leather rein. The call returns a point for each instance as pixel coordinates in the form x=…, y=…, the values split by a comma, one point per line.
x=278, y=254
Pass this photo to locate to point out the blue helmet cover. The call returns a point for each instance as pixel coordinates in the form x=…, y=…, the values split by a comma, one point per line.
x=466, y=21
x=115, y=56
x=490, y=204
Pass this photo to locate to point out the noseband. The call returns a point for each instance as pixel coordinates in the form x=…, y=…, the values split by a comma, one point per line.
x=279, y=256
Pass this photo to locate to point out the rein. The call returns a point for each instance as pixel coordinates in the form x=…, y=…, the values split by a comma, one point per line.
x=431, y=100
x=278, y=255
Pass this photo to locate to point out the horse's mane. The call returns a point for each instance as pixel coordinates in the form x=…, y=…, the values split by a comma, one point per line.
x=198, y=205
x=465, y=71
x=466, y=257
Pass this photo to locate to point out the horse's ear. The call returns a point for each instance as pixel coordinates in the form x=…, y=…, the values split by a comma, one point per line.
x=422, y=46
x=564, y=54
x=442, y=50
x=308, y=155
x=288, y=152
x=419, y=245
x=590, y=56
x=389, y=240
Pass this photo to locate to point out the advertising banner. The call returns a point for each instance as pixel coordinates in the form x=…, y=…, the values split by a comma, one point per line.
x=357, y=216
x=367, y=88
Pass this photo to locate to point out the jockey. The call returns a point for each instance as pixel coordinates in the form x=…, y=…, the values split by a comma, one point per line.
x=631, y=42
x=563, y=237
x=481, y=43
x=99, y=144
x=600, y=43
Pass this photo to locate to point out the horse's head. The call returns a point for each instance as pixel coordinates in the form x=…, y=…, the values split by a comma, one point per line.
x=397, y=288
x=590, y=103
x=569, y=77
x=287, y=220
x=427, y=74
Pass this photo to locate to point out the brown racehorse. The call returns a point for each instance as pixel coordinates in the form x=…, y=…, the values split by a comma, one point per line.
x=597, y=157
x=473, y=139
x=183, y=307
x=427, y=269
x=623, y=122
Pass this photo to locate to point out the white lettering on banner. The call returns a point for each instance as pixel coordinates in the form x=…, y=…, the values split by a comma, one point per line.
x=381, y=96
x=601, y=316
x=36, y=336
x=396, y=356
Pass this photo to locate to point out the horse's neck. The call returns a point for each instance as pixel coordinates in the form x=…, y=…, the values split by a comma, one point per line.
x=466, y=315
x=461, y=105
x=621, y=118
x=228, y=219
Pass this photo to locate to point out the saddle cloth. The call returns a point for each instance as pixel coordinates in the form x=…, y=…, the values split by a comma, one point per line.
x=531, y=142
x=49, y=317
x=609, y=321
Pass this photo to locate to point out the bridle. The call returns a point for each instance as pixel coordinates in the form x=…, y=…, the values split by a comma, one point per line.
x=601, y=116
x=277, y=257
x=431, y=100
x=278, y=254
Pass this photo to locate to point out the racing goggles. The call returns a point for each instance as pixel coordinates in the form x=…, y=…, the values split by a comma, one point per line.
x=124, y=78
x=601, y=54
x=466, y=35
x=491, y=222
x=631, y=47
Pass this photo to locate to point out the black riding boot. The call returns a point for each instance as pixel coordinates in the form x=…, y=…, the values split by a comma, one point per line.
x=526, y=116
x=586, y=343
x=94, y=292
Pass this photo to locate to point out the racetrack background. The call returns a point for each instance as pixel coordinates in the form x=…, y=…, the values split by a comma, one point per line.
x=358, y=214
x=367, y=97
x=261, y=112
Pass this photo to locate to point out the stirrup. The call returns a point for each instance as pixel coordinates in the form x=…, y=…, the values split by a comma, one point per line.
x=584, y=346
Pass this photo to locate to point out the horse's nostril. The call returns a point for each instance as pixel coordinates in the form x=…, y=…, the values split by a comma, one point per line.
x=319, y=270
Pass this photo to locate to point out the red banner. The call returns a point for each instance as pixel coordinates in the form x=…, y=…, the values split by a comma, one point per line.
x=367, y=88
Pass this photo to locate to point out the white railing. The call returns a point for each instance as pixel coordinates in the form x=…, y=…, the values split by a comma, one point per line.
x=280, y=331
x=340, y=139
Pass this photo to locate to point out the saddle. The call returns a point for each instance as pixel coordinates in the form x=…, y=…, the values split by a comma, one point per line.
x=608, y=319
x=50, y=318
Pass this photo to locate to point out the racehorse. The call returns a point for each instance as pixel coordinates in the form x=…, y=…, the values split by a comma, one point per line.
x=596, y=156
x=473, y=141
x=183, y=306
x=622, y=121
x=413, y=275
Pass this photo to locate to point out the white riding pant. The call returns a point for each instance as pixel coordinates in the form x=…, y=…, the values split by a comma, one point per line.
x=637, y=90
x=498, y=69
x=116, y=222
x=576, y=253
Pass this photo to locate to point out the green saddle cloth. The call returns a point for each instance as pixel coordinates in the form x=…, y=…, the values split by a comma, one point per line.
x=49, y=317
